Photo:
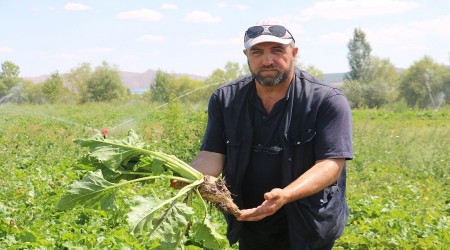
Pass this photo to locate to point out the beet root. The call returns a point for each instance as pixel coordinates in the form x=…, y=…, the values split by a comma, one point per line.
x=215, y=190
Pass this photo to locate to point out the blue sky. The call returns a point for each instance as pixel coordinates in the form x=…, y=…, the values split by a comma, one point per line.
x=199, y=36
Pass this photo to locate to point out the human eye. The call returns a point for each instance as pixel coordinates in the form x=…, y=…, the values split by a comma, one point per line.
x=256, y=52
x=278, y=50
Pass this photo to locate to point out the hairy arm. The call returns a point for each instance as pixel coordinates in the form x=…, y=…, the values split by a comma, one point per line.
x=321, y=175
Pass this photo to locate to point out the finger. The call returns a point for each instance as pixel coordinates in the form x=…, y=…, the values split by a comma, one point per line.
x=252, y=214
x=257, y=213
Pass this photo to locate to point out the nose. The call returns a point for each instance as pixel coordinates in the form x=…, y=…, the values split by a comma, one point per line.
x=267, y=59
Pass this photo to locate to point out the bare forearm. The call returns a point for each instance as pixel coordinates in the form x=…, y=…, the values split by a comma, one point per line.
x=209, y=163
x=320, y=176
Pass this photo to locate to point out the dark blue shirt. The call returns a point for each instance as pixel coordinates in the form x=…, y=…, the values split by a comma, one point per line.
x=315, y=125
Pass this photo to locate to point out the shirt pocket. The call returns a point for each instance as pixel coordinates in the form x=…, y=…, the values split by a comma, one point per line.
x=233, y=138
x=302, y=155
x=302, y=138
x=323, y=198
x=236, y=155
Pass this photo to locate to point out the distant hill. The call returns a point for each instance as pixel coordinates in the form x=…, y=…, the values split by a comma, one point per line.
x=334, y=79
x=138, y=82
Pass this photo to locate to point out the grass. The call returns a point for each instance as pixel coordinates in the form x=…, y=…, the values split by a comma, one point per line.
x=398, y=183
x=399, y=180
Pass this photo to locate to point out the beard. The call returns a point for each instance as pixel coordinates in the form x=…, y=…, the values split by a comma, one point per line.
x=269, y=81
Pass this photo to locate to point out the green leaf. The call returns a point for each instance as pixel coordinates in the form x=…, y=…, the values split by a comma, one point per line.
x=166, y=224
x=28, y=236
x=92, y=191
x=150, y=164
x=205, y=233
x=113, y=153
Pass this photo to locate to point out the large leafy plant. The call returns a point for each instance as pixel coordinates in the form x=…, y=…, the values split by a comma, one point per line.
x=167, y=221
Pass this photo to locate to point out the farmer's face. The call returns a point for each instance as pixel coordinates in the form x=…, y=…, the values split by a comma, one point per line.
x=271, y=63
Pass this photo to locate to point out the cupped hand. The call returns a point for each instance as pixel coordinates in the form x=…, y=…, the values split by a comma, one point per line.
x=274, y=200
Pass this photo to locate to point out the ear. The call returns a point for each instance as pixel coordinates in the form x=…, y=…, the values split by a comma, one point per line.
x=245, y=52
x=294, y=52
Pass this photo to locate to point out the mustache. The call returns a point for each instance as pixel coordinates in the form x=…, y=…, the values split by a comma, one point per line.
x=270, y=67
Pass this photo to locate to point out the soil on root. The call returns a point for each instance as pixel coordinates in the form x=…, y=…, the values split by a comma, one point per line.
x=216, y=191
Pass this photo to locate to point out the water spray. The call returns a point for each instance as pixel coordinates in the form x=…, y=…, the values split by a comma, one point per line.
x=189, y=92
x=105, y=131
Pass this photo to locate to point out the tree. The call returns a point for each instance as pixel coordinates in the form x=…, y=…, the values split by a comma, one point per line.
x=76, y=81
x=186, y=88
x=230, y=72
x=32, y=93
x=358, y=57
x=317, y=73
x=9, y=77
x=218, y=77
x=160, y=89
x=371, y=82
x=425, y=84
x=53, y=89
x=104, y=84
x=167, y=86
x=380, y=87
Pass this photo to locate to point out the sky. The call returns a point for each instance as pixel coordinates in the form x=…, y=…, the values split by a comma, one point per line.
x=200, y=36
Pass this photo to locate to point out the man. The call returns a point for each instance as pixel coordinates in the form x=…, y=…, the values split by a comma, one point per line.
x=280, y=138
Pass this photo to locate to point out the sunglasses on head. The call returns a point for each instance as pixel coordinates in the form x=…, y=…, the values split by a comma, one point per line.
x=274, y=30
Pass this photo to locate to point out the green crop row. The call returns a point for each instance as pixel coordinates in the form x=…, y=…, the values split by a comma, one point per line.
x=398, y=183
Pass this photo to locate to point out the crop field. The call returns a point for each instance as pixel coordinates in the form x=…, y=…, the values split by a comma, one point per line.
x=398, y=183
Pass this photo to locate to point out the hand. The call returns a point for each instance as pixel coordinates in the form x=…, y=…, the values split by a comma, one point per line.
x=274, y=200
x=177, y=184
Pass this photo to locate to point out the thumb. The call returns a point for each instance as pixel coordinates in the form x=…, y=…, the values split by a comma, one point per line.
x=273, y=194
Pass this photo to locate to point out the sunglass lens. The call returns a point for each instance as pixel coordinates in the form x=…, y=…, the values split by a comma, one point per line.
x=254, y=31
x=277, y=30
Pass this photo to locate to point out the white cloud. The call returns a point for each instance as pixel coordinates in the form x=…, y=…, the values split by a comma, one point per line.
x=169, y=6
x=76, y=7
x=95, y=50
x=437, y=26
x=352, y=9
x=144, y=15
x=222, y=5
x=5, y=49
x=151, y=38
x=197, y=16
x=392, y=35
x=240, y=6
x=397, y=34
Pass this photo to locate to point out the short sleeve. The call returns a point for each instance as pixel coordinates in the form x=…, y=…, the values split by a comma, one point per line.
x=334, y=128
x=213, y=140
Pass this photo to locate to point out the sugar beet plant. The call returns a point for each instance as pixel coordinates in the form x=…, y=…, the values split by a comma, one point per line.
x=167, y=222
